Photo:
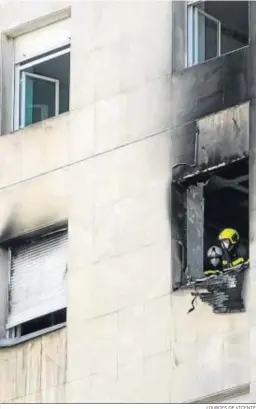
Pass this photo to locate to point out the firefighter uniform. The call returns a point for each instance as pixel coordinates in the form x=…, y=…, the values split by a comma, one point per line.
x=234, y=253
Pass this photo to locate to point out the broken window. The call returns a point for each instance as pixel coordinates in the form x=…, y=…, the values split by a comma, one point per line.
x=216, y=28
x=37, y=284
x=42, y=74
x=212, y=201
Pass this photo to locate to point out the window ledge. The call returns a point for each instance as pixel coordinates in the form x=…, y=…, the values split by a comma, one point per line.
x=41, y=124
x=199, y=64
x=37, y=23
x=8, y=343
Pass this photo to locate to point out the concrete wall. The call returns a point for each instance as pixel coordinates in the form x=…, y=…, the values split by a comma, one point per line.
x=106, y=165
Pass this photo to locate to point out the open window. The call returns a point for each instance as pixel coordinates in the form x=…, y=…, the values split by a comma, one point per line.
x=42, y=74
x=43, y=87
x=215, y=28
x=37, y=284
x=212, y=201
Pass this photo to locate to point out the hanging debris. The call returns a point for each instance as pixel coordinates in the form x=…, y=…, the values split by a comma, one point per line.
x=223, y=291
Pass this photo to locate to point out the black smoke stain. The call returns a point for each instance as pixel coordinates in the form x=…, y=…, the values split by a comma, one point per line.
x=9, y=229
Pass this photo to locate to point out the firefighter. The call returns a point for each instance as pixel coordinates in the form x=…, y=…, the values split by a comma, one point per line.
x=215, y=258
x=234, y=253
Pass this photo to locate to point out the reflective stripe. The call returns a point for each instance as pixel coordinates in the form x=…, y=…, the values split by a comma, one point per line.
x=38, y=278
x=208, y=272
x=239, y=260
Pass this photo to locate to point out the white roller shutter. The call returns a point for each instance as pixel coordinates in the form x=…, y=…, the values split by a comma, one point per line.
x=38, y=279
x=42, y=40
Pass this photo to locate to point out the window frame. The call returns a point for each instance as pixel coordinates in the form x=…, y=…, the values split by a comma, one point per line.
x=24, y=76
x=192, y=32
x=18, y=70
x=15, y=331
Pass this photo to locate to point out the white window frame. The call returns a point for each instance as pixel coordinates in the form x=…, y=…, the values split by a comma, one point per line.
x=18, y=81
x=192, y=32
x=189, y=2
x=25, y=75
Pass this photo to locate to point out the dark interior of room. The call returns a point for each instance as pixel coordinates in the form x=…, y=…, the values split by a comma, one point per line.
x=234, y=27
x=227, y=206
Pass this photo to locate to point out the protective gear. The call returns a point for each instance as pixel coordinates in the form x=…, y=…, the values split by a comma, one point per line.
x=215, y=257
x=229, y=238
x=233, y=252
x=234, y=263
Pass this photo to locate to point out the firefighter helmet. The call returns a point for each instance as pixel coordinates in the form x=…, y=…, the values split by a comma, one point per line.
x=229, y=238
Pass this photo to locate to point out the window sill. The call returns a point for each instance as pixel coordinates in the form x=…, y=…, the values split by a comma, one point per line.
x=8, y=343
x=44, y=123
x=214, y=58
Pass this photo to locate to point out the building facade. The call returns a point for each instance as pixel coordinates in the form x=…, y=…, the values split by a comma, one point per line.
x=114, y=117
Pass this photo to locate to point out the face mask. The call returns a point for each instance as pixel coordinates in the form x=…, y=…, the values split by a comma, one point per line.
x=215, y=261
x=226, y=244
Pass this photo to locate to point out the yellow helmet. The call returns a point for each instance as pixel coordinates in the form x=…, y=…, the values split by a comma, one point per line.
x=229, y=237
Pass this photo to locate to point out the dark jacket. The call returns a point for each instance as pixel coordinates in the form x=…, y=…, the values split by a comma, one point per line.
x=236, y=256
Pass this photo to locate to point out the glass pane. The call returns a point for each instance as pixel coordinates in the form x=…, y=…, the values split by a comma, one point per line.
x=39, y=100
x=58, y=68
x=207, y=38
x=230, y=42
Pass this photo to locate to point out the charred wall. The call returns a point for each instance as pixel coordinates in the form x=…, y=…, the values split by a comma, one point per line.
x=178, y=231
x=34, y=204
x=212, y=86
x=213, y=105
x=203, y=90
x=216, y=139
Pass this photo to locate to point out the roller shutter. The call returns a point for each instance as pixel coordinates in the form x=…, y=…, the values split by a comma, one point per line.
x=38, y=278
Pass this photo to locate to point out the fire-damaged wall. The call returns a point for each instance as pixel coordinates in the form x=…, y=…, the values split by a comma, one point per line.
x=119, y=278
x=210, y=126
x=33, y=204
x=214, y=140
x=210, y=120
x=202, y=90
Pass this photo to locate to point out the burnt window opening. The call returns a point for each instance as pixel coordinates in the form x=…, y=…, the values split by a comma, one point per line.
x=207, y=204
x=216, y=28
x=37, y=324
x=226, y=196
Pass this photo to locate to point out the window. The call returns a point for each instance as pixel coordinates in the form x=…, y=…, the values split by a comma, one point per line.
x=37, y=284
x=209, y=203
x=216, y=28
x=42, y=74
